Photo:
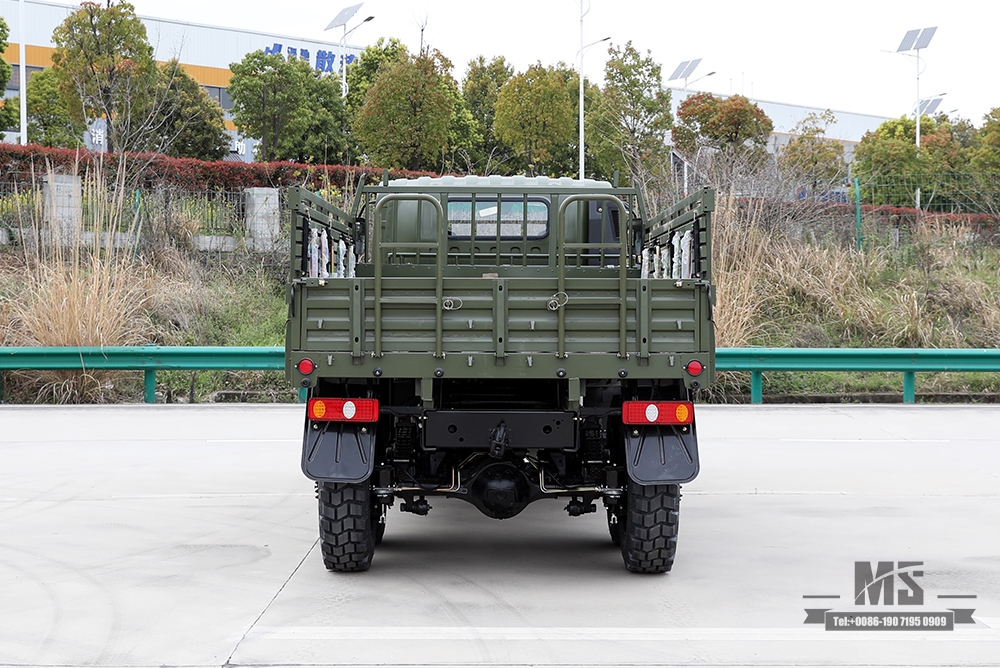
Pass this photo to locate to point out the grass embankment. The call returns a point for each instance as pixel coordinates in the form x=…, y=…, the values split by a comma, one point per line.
x=91, y=283
x=939, y=288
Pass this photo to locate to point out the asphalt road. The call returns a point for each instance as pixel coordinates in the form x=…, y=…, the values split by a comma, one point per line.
x=186, y=536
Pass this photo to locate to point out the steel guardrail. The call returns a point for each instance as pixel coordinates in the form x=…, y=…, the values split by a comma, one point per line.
x=908, y=361
x=150, y=359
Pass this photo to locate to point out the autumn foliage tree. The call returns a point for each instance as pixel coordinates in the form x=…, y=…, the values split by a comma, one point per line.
x=727, y=123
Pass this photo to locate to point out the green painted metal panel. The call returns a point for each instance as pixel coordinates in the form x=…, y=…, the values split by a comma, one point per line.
x=476, y=318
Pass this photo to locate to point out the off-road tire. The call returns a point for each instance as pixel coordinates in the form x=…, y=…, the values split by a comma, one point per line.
x=346, y=528
x=649, y=532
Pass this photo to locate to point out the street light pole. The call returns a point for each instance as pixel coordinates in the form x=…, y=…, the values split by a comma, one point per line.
x=580, y=76
x=343, y=56
x=918, y=107
x=22, y=74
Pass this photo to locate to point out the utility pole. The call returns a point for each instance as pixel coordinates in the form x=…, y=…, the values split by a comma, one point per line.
x=22, y=72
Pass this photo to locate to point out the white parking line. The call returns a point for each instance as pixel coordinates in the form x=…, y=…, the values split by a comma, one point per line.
x=254, y=440
x=438, y=633
x=864, y=440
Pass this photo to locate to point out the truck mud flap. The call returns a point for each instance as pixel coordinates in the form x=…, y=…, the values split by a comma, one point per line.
x=659, y=455
x=338, y=452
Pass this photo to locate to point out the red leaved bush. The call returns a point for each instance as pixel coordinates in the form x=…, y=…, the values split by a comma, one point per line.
x=19, y=163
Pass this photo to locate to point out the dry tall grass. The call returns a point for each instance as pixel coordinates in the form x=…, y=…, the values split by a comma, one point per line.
x=79, y=289
x=743, y=253
x=935, y=292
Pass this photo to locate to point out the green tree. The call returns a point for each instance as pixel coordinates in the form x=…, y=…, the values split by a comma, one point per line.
x=405, y=119
x=193, y=124
x=463, y=133
x=49, y=120
x=889, y=156
x=269, y=99
x=6, y=118
x=361, y=75
x=317, y=134
x=891, y=150
x=728, y=124
x=634, y=118
x=480, y=90
x=105, y=62
x=986, y=155
x=810, y=157
x=534, y=115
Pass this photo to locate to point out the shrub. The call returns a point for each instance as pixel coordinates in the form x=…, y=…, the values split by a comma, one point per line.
x=21, y=162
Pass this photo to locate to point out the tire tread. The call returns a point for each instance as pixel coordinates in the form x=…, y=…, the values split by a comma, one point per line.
x=649, y=532
x=345, y=526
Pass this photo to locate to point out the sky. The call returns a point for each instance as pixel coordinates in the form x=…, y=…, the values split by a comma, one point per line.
x=837, y=55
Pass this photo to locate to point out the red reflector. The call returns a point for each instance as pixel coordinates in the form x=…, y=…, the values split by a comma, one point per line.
x=657, y=412
x=343, y=410
x=306, y=367
x=694, y=367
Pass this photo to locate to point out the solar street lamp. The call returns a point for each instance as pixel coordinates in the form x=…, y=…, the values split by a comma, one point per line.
x=914, y=40
x=929, y=105
x=339, y=20
x=685, y=70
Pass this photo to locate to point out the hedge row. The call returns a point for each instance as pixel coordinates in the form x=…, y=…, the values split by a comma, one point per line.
x=21, y=163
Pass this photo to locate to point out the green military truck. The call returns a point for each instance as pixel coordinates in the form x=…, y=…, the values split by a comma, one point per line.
x=500, y=340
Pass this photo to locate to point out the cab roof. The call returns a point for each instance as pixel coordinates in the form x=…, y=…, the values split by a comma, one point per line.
x=539, y=182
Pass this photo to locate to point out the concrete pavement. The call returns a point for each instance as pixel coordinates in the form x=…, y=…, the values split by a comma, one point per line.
x=186, y=536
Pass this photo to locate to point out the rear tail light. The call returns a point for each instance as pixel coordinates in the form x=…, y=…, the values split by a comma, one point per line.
x=306, y=367
x=343, y=410
x=694, y=367
x=657, y=412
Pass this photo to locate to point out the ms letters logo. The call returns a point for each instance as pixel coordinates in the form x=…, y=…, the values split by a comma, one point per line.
x=881, y=582
x=878, y=585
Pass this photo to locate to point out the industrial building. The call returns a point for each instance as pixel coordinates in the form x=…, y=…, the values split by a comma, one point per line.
x=205, y=51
